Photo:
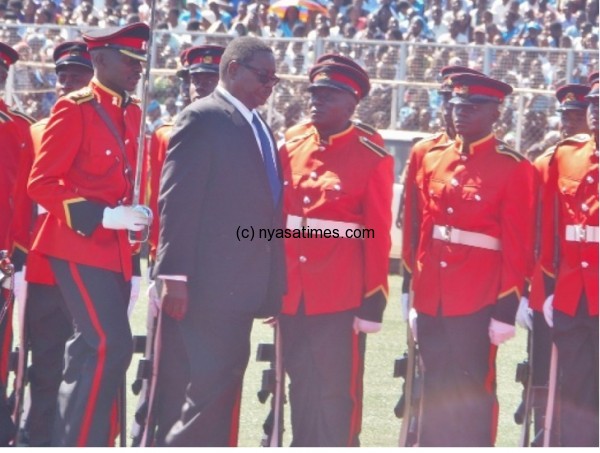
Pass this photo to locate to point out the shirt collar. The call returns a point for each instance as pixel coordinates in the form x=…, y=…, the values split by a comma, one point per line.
x=108, y=95
x=246, y=113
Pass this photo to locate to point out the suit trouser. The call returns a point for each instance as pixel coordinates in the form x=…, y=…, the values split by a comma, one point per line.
x=324, y=360
x=576, y=338
x=459, y=388
x=173, y=378
x=96, y=356
x=49, y=326
x=217, y=344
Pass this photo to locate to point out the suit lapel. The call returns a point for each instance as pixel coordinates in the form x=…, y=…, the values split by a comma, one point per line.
x=248, y=142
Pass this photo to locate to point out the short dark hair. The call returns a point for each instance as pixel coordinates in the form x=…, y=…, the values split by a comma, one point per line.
x=242, y=49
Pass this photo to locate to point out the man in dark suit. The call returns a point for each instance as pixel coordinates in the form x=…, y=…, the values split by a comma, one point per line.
x=220, y=180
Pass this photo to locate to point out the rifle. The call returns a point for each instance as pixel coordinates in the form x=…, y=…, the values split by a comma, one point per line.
x=17, y=359
x=144, y=381
x=273, y=383
x=7, y=427
x=142, y=236
x=409, y=406
x=524, y=375
x=551, y=396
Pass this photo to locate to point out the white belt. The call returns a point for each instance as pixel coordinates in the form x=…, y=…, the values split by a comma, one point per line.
x=41, y=210
x=295, y=222
x=582, y=233
x=456, y=236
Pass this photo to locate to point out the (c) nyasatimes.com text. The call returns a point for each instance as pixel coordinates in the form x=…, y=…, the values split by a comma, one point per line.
x=249, y=233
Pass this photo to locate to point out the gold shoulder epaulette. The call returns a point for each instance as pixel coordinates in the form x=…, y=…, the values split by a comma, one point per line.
x=20, y=114
x=577, y=138
x=548, y=152
x=297, y=138
x=367, y=128
x=503, y=148
x=379, y=150
x=81, y=96
x=4, y=118
x=438, y=146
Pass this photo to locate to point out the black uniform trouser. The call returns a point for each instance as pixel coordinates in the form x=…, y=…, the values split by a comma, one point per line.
x=96, y=356
x=217, y=344
x=323, y=358
x=49, y=326
x=576, y=338
x=459, y=388
x=173, y=378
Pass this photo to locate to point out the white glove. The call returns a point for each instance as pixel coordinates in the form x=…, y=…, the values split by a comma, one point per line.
x=524, y=314
x=500, y=332
x=362, y=325
x=134, y=294
x=549, y=310
x=412, y=322
x=153, y=299
x=404, y=306
x=20, y=286
x=125, y=218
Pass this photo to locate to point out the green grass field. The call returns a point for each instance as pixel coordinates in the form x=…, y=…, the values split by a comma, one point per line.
x=381, y=391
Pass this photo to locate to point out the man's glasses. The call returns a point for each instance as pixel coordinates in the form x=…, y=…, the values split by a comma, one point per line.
x=261, y=76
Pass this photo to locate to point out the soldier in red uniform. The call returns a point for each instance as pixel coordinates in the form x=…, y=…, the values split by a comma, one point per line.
x=471, y=266
x=47, y=320
x=409, y=214
x=201, y=67
x=14, y=139
x=569, y=262
x=83, y=176
x=338, y=180
x=572, y=108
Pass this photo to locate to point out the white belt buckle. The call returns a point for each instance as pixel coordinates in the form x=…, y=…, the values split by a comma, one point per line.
x=581, y=233
x=447, y=233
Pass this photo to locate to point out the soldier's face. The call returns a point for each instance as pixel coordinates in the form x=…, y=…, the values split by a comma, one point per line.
x=573, y=122
x=330, y=108
x=118, y=71
x=71, y=78
x=184, y=89
x=202, y=84
x=474, y=121
x=447, y=112
x=3, y=76
x=592, y=115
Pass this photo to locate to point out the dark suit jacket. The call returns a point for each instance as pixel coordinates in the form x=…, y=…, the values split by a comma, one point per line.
x=213, y=183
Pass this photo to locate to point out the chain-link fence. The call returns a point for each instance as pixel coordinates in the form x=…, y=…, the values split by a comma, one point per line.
x=404, y=78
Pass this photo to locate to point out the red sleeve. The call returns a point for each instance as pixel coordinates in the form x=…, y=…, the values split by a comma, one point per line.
x=47, y=185
x=378, y=220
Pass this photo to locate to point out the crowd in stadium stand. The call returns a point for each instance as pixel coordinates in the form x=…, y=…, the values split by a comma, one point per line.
x=529, y=24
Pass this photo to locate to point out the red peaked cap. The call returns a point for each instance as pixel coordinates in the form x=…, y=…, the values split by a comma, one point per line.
x=204, y=58
x=130, y=40
x=448, y=71
x=478, y=89
x=72, y=53
x=572, y=97
x=339, y=72
x=8, y=55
